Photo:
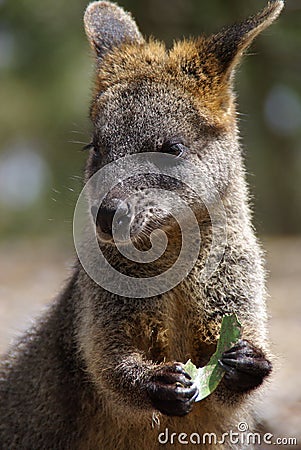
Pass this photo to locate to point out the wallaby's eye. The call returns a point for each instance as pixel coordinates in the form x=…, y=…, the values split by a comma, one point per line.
x=174, y=148
x=89, y=146
x=94, y=148
x=177, y=150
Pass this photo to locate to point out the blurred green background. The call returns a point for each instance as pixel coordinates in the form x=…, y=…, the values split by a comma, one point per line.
x=46, y=78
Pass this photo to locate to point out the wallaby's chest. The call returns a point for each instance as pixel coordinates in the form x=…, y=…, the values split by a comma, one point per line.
x=173, y=331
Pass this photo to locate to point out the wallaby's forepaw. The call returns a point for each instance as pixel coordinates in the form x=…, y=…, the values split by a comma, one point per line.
x=246, y=367
x=171, y=390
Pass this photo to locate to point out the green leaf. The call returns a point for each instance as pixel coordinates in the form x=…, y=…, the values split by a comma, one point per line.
x=207, y=378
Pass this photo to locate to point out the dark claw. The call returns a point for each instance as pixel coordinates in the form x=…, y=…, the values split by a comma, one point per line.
x=243, y=347
x=173, y=372
x=245, y=367
x=171, y=390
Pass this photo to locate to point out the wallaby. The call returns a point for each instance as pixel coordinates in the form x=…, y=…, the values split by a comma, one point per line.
x=105, y=371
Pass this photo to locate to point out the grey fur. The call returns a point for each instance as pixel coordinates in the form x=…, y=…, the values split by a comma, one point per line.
x=108, y=26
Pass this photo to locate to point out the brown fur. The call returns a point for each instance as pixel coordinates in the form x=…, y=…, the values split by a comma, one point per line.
x=78, y=379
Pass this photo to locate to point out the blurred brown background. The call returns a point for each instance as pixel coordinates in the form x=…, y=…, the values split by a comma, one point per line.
x=45, y=70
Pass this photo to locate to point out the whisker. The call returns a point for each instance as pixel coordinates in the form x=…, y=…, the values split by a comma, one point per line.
x=79, y=142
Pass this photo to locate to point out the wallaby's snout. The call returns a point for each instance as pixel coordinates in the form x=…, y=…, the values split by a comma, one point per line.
x=133, y=209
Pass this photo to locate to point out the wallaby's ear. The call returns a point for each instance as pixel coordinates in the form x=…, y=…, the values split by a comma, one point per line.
x=229, y=45
x=108, y=26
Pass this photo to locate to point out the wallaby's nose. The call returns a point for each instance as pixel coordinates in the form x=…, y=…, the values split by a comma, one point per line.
x=104, y=216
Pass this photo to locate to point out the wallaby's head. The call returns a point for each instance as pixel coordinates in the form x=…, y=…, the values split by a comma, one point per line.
x=150, y=99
